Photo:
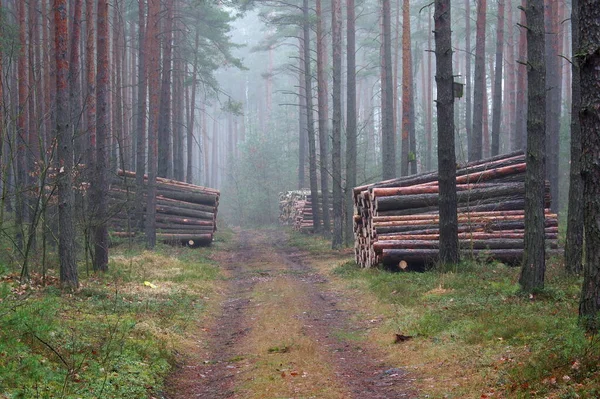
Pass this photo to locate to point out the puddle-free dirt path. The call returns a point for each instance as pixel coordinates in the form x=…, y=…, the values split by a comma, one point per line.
x=280, y=332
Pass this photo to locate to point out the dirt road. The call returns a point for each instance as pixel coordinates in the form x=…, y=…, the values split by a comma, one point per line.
x=279, y=331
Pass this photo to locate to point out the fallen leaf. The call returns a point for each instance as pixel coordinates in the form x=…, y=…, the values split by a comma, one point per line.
x=149, y=284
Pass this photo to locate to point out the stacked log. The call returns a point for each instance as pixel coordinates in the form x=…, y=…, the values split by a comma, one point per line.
x=290, y=205
x=185, y=213
x=295, y=209
x=396, y=222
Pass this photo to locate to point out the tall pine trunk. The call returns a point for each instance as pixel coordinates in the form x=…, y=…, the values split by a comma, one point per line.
x=479, y=91
x=388, y=131
x=351, y=109
x=336, y=152
x=521, y=115
x=153, y=117
x=497, y=99
x=64, y=138
x=445, y=122
x=165, y=156
x=589, y=113
x=408, y=156
x=574, y=242
x=100, y=188
x=322, y=93
x=534, y=262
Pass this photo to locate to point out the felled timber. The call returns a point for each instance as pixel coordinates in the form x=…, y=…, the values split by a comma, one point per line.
x=403, y=215
x=185, y=213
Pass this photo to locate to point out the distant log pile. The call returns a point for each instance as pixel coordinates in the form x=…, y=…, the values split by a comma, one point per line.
x=295, y=209
x=185, y=213
x=396, y=222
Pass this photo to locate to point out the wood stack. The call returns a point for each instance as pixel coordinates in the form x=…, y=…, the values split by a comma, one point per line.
x=295, y=208
x=290, y=207
x=396, y=221
x=185, y=213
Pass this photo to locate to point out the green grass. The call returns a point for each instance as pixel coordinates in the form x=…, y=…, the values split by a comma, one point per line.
x=113, y=338
x=479, y=308
x=312, y=243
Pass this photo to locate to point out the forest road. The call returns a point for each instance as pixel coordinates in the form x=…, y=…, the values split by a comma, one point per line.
x=278, y=330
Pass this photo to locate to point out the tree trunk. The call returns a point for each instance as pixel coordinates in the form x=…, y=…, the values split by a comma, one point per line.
x=74, y=79
x=165, y=156
x=521, y=115
x=408, y=157
x=312, y=150
x=445, y=124
x=589, y=114
x=468, y=77
x=22, y=133
x=190, y=128
x=302, y=135
x=336, y=36
x=153, y=117
x=476, y=147
x=64, y=137
x=574, y=242
x=534, y=262
x=323, y=115
x=497, y=99
x=90, y=97
x=100, y=188
x=351, y=109
x=140, y=167
x=388, y=131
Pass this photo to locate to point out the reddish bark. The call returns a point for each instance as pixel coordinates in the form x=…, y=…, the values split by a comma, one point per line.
x=64, y=136
x=100, y=182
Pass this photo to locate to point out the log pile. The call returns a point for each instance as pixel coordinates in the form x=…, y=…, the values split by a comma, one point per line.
x=290, y=205
x=295, y=209
x=396, y=221
x=185, y=213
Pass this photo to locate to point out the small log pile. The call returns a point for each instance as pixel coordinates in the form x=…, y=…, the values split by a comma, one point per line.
x=295, y=209
x=289, y=205
x=185, y=213
x=396, y=222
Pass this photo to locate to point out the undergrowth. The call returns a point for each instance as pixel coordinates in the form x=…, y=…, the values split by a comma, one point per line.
x=535, y=346
x=115, y=337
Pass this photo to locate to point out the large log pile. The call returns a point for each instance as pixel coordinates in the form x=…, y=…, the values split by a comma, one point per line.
x=185, y=213
x=396, y=221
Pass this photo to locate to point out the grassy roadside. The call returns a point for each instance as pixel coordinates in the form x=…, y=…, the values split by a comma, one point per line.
x=474, y=335
x=116, y=336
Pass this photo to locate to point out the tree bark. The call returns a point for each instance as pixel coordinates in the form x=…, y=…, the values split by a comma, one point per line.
x=64, y=137
x=497, y=100
x=312, y=150
x=589, y=114
x=408, y=157
x=468, y=77
x=153, y=118
x=388, y=132
x=444, y=78
x=534, y=262
x=165, y=156
x=351, y=134
x=302, y=131
x=336, y=36
x=574, y=241
x=323, y=115
x=476, y=147
x=521, y=115
x=190, y=128
x=140, y=167
x=100, y=188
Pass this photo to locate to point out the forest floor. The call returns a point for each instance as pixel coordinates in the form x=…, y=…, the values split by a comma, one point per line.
x=271, y=313
x=283, y=330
